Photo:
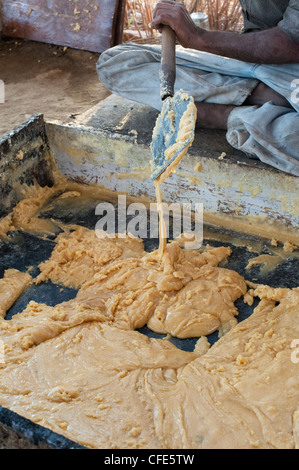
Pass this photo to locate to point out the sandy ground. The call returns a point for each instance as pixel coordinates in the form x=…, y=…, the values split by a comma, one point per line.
x=47, y=79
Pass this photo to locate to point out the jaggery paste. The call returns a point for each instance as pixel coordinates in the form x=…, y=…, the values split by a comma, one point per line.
x=12, y=285
x=83, y=370
x=186, y=294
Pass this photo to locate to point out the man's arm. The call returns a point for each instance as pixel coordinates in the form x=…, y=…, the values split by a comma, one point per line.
x=271, y=46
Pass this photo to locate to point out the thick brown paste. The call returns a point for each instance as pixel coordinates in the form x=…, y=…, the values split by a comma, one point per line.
x=185, y=294
x=81, y=368
x=12, y=285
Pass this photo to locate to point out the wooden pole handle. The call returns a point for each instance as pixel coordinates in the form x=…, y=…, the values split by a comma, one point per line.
x=168, y=62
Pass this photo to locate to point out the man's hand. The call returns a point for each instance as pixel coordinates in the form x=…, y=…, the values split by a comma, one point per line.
x=175, y=15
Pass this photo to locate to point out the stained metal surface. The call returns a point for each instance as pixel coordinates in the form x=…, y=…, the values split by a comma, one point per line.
x=24, y=157
x=17, y=432
x=84, y=24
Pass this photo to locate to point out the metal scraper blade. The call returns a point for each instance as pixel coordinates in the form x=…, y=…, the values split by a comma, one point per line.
x=165, y=134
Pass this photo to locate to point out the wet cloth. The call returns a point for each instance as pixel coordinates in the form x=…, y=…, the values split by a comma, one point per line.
x=270, y=133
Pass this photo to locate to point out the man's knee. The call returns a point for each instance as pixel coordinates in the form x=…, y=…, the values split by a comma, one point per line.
x=105, y=67
x=264, y=94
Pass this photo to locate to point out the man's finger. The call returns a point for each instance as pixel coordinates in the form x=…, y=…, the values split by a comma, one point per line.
x=164, y=4
x=161, y=17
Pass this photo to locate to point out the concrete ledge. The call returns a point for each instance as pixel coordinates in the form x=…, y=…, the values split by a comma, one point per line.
x=110, y=146
x=122, y=117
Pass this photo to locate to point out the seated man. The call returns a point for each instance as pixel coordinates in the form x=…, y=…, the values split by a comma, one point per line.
x=247, y=84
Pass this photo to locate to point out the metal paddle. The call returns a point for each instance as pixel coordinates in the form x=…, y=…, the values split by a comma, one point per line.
x=169, y=142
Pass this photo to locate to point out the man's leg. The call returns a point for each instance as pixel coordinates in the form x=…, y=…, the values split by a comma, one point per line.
x=132, y=71
x=269, y=132
x=215, y=116
x=264, y=94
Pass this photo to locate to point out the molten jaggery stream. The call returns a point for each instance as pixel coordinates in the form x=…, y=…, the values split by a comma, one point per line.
x=162, y=226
